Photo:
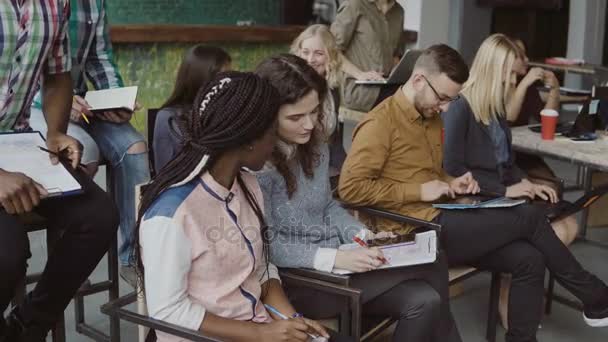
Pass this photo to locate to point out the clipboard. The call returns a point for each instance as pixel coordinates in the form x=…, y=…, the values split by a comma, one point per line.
x=19, y=152
x=409, y=250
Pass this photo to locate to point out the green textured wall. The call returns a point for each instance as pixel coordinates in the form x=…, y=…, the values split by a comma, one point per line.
x=153, y=67
x=185, y=12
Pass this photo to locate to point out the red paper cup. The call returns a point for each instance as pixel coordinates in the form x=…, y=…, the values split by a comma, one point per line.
x=548, y=123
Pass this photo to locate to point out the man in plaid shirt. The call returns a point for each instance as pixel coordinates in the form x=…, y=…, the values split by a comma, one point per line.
x=109, y=134
x=34, y=51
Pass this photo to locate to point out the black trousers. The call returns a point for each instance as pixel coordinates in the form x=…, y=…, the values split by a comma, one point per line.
x=416, y=296
x=519, y=241
x=89, y=223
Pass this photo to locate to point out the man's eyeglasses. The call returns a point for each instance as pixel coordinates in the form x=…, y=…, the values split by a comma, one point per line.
x=442, y=100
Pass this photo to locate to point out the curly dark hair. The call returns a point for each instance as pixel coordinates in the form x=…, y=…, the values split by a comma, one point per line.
x=294, y=79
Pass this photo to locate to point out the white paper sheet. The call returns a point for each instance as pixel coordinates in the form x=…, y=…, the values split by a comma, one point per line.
x=20, y=153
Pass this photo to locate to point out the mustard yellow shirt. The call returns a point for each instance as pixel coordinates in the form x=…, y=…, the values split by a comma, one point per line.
x=394, y=151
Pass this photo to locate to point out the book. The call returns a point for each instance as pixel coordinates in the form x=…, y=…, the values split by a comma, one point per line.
x=403, y=250
x=112, y=99
x=20, y=152
x=500, y=202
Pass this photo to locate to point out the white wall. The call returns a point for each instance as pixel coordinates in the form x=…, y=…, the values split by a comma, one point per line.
x=586, y=37
x=413, y=9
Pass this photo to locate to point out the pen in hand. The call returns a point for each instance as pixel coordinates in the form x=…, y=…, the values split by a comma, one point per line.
x=282, y=316
x=364, y=244
x=60, y=156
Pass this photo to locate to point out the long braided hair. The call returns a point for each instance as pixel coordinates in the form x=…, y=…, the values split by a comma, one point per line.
x=294, y=79
x=232, y=110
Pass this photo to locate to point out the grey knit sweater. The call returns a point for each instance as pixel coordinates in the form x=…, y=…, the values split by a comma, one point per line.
x=308, y=221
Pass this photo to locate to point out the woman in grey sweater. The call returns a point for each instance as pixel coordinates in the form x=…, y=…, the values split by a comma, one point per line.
x=307, y=225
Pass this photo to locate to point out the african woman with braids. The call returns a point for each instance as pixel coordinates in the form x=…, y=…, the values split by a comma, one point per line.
x=201, y=237
x=308, y=225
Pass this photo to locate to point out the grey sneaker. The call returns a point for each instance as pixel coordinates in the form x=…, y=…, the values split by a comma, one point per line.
x=128, y=274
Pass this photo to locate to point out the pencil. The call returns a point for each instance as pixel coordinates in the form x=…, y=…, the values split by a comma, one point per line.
x=85, y=118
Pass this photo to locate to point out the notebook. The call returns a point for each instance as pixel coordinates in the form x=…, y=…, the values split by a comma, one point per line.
x=403, y=250
x=20, y=153
x=500, y=202
x=401, y=73
x=112, y=99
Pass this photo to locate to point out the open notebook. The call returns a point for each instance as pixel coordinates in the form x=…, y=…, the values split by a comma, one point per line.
x=409, y=250
x=19, y=152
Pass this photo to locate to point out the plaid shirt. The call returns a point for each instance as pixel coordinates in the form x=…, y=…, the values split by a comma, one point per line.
x=92, y=57
x=33, y=42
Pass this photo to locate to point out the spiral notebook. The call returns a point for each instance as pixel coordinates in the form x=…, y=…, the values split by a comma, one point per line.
x=19, y=152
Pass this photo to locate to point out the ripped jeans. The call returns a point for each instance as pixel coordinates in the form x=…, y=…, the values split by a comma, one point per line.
x=113, y=141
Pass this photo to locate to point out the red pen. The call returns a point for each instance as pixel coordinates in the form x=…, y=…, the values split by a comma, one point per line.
x=364, y=244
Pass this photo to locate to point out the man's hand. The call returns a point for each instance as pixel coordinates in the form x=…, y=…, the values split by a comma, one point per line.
x=465, y=185
x=433, y=190
x=19, y=193
x=119, y=116
x=62, y=143
x=79, y=106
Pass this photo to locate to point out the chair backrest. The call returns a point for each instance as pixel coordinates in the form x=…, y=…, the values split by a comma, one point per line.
x=150, y=123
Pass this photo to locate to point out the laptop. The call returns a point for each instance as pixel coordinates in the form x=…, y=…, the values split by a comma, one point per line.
x=401, y=73
x=592, y=116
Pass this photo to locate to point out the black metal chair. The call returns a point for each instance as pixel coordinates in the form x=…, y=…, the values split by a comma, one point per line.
x=36, y=223
x=117, y=310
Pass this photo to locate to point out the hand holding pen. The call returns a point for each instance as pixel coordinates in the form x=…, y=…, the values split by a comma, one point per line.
x=309, y=323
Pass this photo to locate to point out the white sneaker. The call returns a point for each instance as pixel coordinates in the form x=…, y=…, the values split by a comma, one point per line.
x=596, y=322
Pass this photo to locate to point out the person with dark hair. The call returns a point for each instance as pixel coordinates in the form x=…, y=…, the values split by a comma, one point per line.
x=200, y=64
x=34, y=52
x=309, y=225
x=202, y=243
x=395, y=163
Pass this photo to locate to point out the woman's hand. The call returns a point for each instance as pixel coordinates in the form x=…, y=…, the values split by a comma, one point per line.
x=316, y=328
x=545, y=192
x=283, y=330
x=521, y=189
x=359, y=259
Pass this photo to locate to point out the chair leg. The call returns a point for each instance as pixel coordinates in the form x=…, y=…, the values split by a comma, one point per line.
x=355, y=319
x=493, y=308
x=549, y=297
x=58, y=331
x=113, y=292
